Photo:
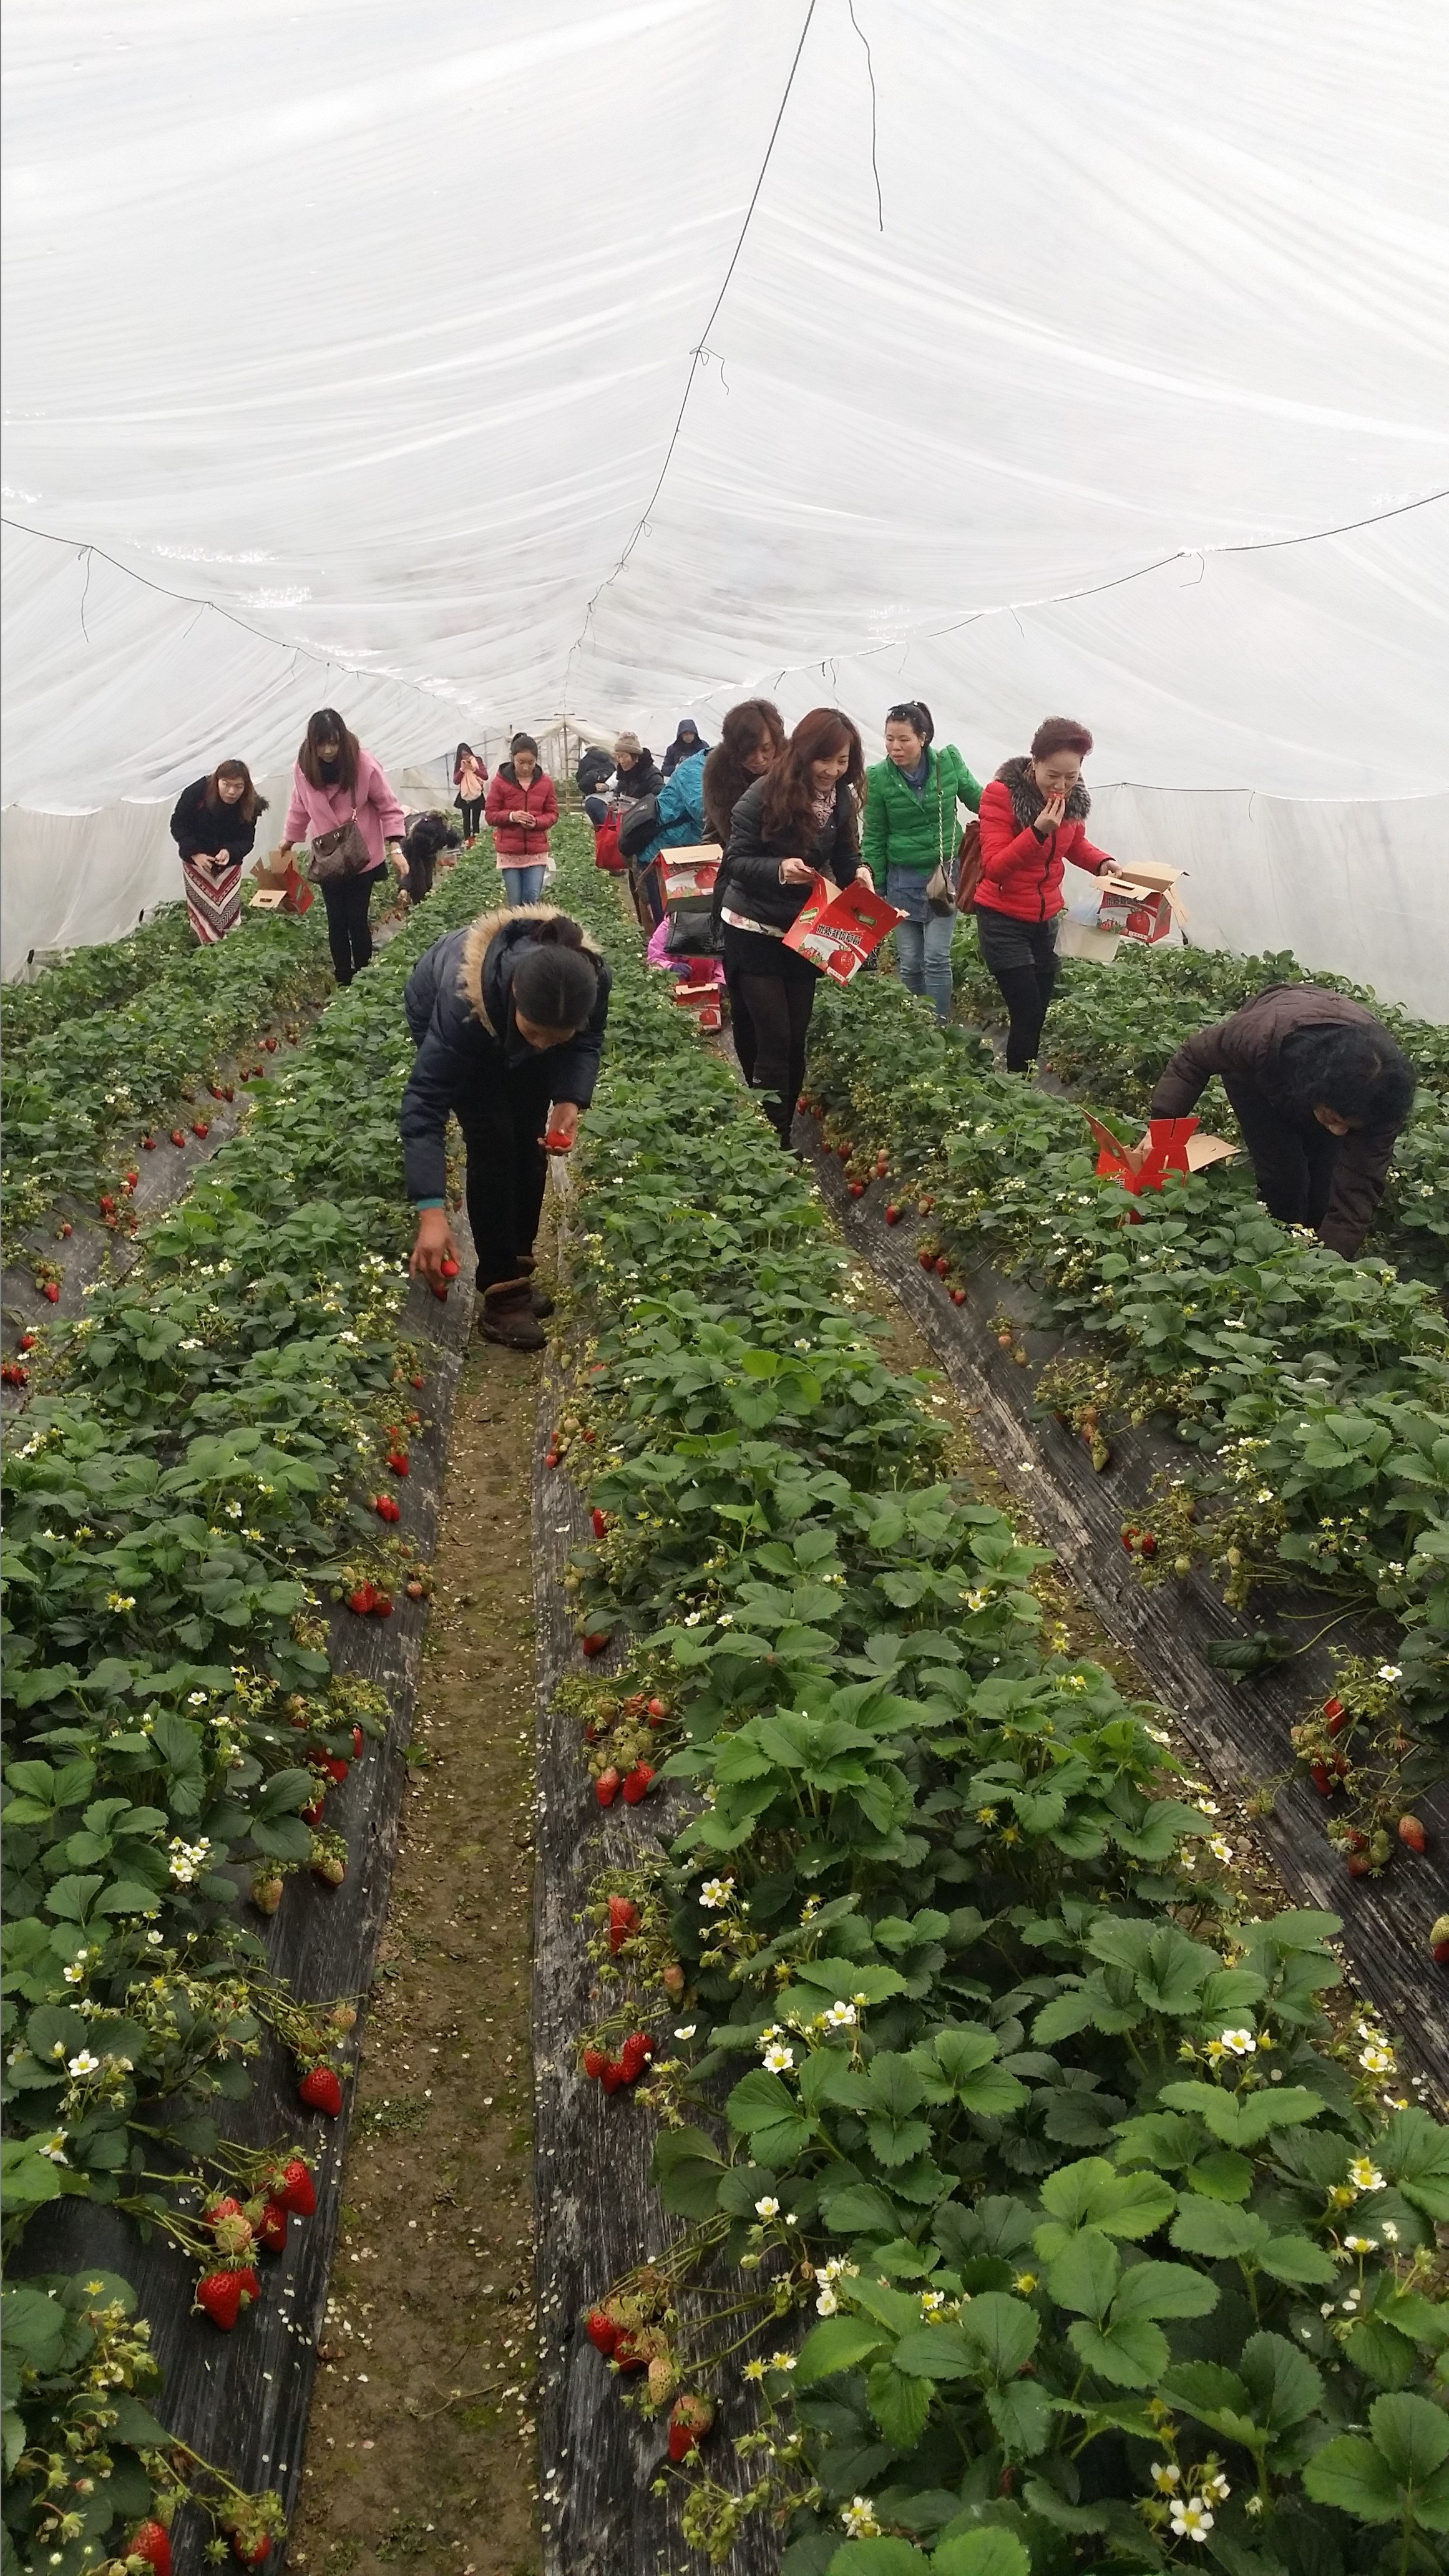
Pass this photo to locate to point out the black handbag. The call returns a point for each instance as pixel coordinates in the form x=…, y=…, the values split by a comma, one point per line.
x=638, y=827
x=692, y=932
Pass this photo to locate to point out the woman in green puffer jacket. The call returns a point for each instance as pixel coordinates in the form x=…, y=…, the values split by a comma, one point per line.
x=911, y=829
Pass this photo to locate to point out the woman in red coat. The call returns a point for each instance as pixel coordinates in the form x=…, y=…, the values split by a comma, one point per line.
x=522, y=811
x=1033, y=818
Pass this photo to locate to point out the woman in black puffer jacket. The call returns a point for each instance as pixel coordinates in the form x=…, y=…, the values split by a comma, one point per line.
x=800, y=821
x=508, y=1017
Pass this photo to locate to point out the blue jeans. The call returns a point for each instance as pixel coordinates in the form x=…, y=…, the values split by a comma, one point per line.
x=596, y=807
x=524, y=884
x=924, y=951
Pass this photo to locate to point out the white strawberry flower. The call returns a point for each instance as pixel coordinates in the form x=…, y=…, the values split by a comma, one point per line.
x=1362, y=2244
x=1165, y=2476
x=840, y=2016
x=1240, y=2043
x=779, y=2060
x=54, y=2147
x=1364, y=2174
x=1391, y=1672
x=79, y=2067
x=859, y=2519
x=1217, y=2486
x=782, y=2361
x=1376, y=2059
x=1220, y=1850
x=768, y=2207
x=827, y=2302
x=714, y=1895
x=1191, y=2518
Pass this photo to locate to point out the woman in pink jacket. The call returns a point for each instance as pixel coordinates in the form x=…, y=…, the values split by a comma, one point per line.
x=336, y=781
x=522, y=811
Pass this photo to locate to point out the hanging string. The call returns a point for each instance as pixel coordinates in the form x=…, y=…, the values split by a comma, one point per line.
x=870, y=76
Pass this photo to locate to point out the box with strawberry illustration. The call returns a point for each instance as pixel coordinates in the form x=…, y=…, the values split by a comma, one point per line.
x=281, y=888
x=838, y=927
x=689, y=873
x=1137, y=899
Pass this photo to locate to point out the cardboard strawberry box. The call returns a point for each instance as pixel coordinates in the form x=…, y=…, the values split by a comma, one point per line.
x=281, y=886
x=1137, y=900
x=838, y=927
x=689, y=873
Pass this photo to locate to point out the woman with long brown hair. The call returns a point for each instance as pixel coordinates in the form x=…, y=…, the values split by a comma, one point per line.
x=752, y=738
x=214, y=826
x=799, y=821
x=336, y=782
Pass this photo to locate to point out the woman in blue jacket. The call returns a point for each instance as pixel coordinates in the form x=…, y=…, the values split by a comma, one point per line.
x=508, y=1016
x=680, y=827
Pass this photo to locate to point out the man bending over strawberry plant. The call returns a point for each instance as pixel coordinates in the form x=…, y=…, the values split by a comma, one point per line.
x=508, y=1016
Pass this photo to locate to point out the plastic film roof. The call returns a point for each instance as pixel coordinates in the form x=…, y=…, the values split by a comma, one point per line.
x=469, y=365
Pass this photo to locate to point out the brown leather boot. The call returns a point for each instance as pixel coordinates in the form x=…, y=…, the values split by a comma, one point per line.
x=542, y=1302
x=508, y=1317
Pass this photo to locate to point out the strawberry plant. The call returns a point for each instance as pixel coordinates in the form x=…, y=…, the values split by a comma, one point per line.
x=1060, y=2215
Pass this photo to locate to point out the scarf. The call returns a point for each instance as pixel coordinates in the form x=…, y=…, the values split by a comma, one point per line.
x=1027, y=799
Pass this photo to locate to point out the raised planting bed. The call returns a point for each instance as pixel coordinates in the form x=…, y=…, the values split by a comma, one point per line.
x=198, y=1659
x=1021, y=2161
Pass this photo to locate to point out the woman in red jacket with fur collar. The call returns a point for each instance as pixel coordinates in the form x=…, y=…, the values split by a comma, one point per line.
x=1033, y=819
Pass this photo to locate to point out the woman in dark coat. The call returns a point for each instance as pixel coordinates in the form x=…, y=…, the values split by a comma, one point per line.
x=1320, y=1090
x=508, y=1016
x=752, y=739
x=800, y=821
x=214, y=826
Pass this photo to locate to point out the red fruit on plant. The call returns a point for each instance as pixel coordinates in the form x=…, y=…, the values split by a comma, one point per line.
x=382, y=1606
x=893, y=1216
x=637, y=1784
x=603, y=2334
x=1337, y=1716
x=926, y=1206
x=1411, y=1833
x=252, y=2553
x=595, y=1642
x=397, y=1461
x=216, y=2210
x=613, y=2076
x=1332, y=1708
x=387, y=1507
x=623, y=1919
x=216, y=1091
x=419, y=1382
x=626, y=2351
x=658, y=1711
x=312, y=1815
x=1318, y=1774
x=362, y=1600
x=357, y=1744
x=12, y=1374
x=857, y=1189
x=27, y=1341
x=1439, y=1940
x=108, y=1207
x=199, y=1127
x=151, y=2541
x=600, y=1522
x=942, y=1265
x=595, y=2061
x=440, y=1293
x=606, y=1787
x=551, y=1458
x=272, y=2228
x=689, y=2421
x=958, y=1296
x=296, y=2190
x=321, y=2090
x=271, y=1045
x=51, y=1292
x=149, y=1143
x=1359, y=1864
x=219, y=2296
x=449, y=1268
x=927, y=1260
x=1129, y=1540
x=635, y=2054
x=1147, y=1544
x=178, y=1135
x=335, y=1766
x=845, y=1152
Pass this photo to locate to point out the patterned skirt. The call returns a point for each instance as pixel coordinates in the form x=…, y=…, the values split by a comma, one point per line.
x=212, y=902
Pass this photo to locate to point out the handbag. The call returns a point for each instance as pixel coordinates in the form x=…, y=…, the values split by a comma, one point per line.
x=638, y=827
x=941, y=884
x=341, y=852
x=968, y=863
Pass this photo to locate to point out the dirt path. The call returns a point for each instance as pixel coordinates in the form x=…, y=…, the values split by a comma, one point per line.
x=421, y=2453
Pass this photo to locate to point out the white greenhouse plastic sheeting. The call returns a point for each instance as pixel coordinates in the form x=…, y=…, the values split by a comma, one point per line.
x=470, y=365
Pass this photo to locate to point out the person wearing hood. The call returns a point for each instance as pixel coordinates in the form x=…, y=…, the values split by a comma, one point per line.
x=1033, y=819
x=595, y=769
x=508, y=1016
x=522, y=811
x=686, y=743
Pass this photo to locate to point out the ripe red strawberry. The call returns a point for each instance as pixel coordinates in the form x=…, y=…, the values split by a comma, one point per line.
x=12, y=1374
x=601, y=1522
x=312, y=1815
x=131, y=1179
x=387, y=1507
x=151, y=2541
x=1337, y=1716
x=1439, y=1940
x=222, y=2207
x=551, y=1459
x=881, y=1167
x=296, y=2190
x=449, y=1269
x=51, y=1289
x=252, y=2553
x=958, y=1296
x=658, y=1711
x=1147, y=1544
x=271, y=1045
x=272, y=2228
x=857, y=1189
x=602, y=2332
x=1318, y=1774
x=845, y=1152
x=397, y=1461
x=927, y=1260
x=626, y=2351
x=199, y=1127
x=942, y=1265
x=623, y=1919
x=1129, y=1539
x=178, y=1135
x=357, y=1744
x=382, y=1606
x=216, y=1091
x=689, y=2421
x=335, y=1766
x=27, y=1341
x=1359, y=1864
x=595, y=2061
x=613, y=2076
x=362, y=1600
x=419, y=1382
x=321, y=2090
x=150, y=1144
x=595, y=1642
x=606, y=1787
x=635, y=2054
x=108, y=1207
x=1411, y=1833
x=219, y=2296
x=637, y=1784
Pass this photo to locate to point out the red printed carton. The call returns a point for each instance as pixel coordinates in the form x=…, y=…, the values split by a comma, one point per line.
x=838, y=927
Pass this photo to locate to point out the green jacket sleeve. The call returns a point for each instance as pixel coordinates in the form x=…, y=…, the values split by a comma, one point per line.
x=875, y=831
x=967, y=788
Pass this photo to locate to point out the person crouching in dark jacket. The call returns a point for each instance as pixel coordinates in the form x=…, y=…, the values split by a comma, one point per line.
x=800, y=821
x=426, y=836
x=1320, y=1090
x=508, y=1017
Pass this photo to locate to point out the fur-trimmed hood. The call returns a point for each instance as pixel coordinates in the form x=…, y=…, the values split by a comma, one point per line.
x=1027, y=799
x=472, y=970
